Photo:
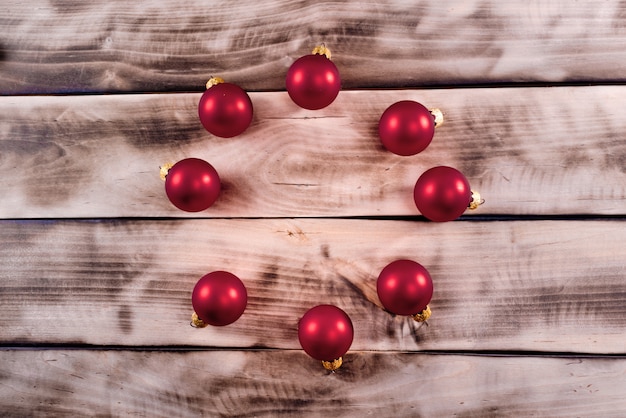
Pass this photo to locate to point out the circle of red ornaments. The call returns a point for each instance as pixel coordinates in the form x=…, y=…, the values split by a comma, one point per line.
x=404, y=287
x=219, y=298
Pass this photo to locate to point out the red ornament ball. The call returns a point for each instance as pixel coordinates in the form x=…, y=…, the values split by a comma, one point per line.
x=404, y=287
x=442, y=194
x=219, y=298
x=406, y=128
x=313, y=81
x=192, y=185
x=225, y=110
x=325, y=332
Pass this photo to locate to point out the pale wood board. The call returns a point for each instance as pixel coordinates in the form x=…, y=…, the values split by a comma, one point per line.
x=527, y=151
x=155, y=45
x=552, y=286
x=285, y=383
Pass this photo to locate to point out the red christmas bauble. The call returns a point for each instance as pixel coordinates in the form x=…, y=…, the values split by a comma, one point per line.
x=406, y=128
x=192, y=185
x=225, y=110
x=325, y=332
x=404, y=287
x=442, y=194
x=219, y=298
x=313, y=81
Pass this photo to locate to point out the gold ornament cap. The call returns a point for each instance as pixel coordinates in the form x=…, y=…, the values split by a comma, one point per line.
x=332, y=365
x=322, y=50
x=213, y=81
x=424, y=315
x=164, y=169
x=196, y=322
x=438, y=116
x=476, y=200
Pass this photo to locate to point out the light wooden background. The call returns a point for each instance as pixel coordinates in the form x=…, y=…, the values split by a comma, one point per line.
x=97, y=267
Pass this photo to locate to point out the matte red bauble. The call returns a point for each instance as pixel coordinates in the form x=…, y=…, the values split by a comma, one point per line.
x=406, y=128
x=313, y=80
x=404, y=287
x=442, y=194
x=325, y=333
x=192, y=184
x=225, y=109
x=219, y=298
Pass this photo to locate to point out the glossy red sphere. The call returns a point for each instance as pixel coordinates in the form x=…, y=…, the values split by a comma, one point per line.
x=404, y=287
x=406, y=128
x=442, y=194
x=219, y=298
x=325, y=332
x=192, y=185
x=313, y=81
x=225, y=110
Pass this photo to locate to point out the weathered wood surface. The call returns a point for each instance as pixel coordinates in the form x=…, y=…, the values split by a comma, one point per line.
x=528, y=151
x=264, y=384
x=539, y=286
x=516, y=286
x=151, y=45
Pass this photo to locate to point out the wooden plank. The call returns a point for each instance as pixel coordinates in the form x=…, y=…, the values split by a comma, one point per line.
x=528, y=151
x=538, y=286
x=150, y=45
x=244, y=383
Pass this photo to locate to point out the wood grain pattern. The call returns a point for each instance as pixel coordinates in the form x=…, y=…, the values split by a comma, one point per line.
x=263, y=384
x=528, y=151
x=95, y=292
x=536, y=286
x=152, y=45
